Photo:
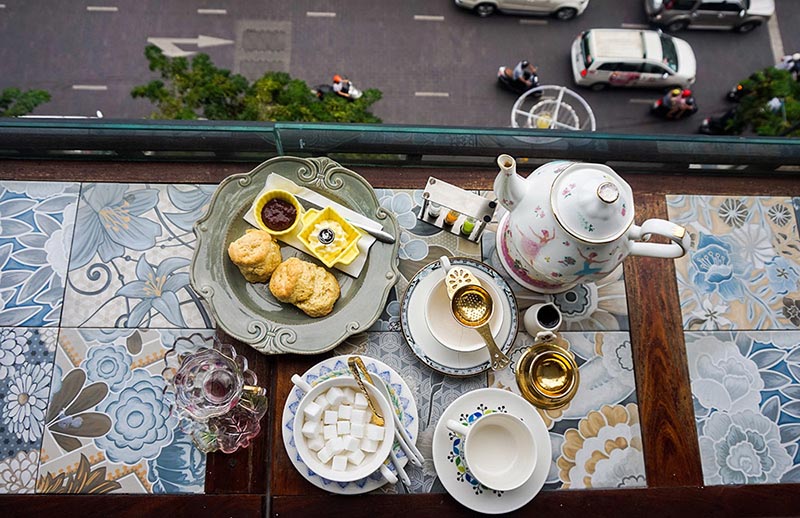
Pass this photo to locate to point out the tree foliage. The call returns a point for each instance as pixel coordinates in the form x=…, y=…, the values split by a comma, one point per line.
x=753, y=111
x=14, y=102
x=197, y=88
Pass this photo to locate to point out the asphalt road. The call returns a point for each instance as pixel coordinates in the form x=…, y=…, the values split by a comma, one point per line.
x=434, y=62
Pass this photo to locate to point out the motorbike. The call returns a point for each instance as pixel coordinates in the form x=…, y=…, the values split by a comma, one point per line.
x=324, y=90
x=505, y=78
x=662, y=107
x=717, y=125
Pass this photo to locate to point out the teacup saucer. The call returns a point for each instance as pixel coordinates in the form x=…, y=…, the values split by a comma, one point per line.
x=404, y=404
x=424, y=344
x=449, y=461
x=446, y=329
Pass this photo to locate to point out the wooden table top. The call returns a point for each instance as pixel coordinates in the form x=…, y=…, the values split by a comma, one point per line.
x=261, y=481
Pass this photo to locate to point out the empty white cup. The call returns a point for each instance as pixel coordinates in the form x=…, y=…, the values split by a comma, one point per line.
x=542, y=318
x=499, y=450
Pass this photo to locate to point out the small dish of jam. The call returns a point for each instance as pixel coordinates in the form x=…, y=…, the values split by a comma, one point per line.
x=277, y=212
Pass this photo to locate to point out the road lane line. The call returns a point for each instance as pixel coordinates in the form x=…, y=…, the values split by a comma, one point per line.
x=94, y=88
x=320, y=14
x=432, y=94
x=525, y=21
x=640, y=101
x=428, y=18
x=2, y=6
x=212, y=11
x=102, y=8
x=775, y=41
x=635, y=26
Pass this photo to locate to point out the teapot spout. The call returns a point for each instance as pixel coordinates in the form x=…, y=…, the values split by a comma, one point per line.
x=509, y=187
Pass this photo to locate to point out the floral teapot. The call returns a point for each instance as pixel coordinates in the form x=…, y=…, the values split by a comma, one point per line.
x=570, y=223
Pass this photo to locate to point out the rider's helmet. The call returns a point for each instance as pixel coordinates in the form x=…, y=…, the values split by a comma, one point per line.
x=675, y=92
x=524, y=63
x=337, y=78
x=796, y=56
x=686, y=93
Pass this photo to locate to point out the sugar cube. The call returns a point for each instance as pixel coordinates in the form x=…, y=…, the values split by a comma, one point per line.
x=349, y=395
x=360, y=401
x=329, y=431
x=315, y=443
x=369, y=445
x=374, y=432
x=358, y=416
x=311, y=428
x=324, y=454
x=339, y=463
x=322, y=401
x=335, y=445
x=335, y=396
x=343, y=427
x=356, y=457
x=357, y=430
x=312, y=411
x=345, y=412
x=351, y=443
x=331, y=416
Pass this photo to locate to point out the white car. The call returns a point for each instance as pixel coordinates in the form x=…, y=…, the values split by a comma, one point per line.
x=628, y=57
x=561, y=9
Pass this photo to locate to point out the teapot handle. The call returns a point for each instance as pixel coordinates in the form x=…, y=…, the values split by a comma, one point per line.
x=679, y=236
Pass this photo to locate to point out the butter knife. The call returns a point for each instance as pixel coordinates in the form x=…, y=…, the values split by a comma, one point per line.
x=408, y=446
x=380, y=235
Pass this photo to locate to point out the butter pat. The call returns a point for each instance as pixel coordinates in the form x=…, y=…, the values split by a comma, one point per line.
x=340, y=463
x=312, y=411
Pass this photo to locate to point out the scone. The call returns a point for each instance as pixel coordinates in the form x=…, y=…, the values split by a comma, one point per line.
x=311, y=288
x=256, y=254
x=325, y=294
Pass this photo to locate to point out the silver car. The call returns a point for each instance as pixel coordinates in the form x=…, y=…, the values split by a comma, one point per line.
x=561, y=9
x=739, y=15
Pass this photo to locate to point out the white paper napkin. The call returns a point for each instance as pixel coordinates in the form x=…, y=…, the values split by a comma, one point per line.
x=276, y=181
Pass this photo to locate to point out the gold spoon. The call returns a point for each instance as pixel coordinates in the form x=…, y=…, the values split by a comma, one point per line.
x=356, y=365
x=472, y=306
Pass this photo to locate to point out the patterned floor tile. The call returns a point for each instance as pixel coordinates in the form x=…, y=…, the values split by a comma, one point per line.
x=131, y=253
x=743, y=269
x=604, y=411
x=601, y=306
x=26, y=368
x=420, y=244
x=36, y=222
x=108, y=427
x=746, y=394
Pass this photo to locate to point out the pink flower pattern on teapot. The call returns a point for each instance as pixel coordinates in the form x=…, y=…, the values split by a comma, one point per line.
x=571, y=223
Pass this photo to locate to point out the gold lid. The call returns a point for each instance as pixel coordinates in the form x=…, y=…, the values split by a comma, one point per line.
x=547, y=375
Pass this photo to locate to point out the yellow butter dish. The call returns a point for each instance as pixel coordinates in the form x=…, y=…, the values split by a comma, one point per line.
x=328, y=237
x=277, y=212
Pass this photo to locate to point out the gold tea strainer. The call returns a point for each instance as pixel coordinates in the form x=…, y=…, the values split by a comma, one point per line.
x=547, y=375
x=472, y=307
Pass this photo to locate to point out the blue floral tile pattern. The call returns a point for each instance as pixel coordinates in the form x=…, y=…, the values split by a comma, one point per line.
x=26, y=367
x=746, y=394
x=132, y=248
x=743, y=268
x=596, y=438
x=108, y=413
x=36, y=224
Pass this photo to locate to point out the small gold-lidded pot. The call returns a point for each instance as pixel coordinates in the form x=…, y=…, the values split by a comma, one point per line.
x=547, y=375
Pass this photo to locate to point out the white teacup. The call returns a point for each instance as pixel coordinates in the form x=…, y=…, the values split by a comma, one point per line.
x=444, y=326
x=499, y=450
x=542, y=318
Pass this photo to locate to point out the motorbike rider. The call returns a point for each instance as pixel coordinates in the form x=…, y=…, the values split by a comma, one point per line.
x=523, y=73
x=341, y=86
x=680, y=103
x=791, y=62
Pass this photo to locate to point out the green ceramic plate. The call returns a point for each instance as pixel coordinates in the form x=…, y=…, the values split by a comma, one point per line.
x=249, y=312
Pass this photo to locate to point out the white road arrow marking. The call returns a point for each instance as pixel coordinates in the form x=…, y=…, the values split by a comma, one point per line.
x=169, y=46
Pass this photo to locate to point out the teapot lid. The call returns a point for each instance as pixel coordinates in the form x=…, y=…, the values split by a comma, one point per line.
x=591, y=202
